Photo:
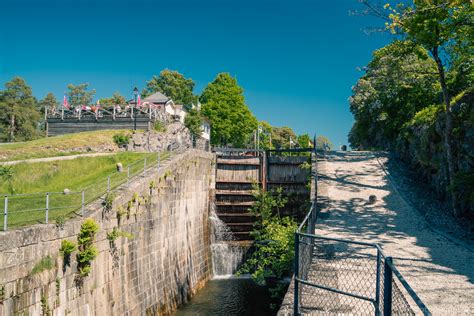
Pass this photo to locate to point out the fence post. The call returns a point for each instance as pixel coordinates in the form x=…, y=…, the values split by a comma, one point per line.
x=82, y=203
x=108, y=184
x=128, y=175
x=296, y=302
x=5, y=214
x=144, y=167
x=387, y=288
x=377, y=285
x=47, y=207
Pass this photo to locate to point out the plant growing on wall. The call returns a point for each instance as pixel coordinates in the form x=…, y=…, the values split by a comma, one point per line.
x=66, y=249
x=87, y=251
x=46, y=263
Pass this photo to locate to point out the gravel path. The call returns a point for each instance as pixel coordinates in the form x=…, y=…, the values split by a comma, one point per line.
x=440, y=270
x=15, y=162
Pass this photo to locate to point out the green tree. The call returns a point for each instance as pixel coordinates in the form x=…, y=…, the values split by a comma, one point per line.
x=304, y=141
x=282, y=136
x=115, y=99
x=323, y=143
x=437, y=25
x=223, y=103
x=265, y=135
x=49, y=102
x=172, y=84
x=78, y=94
x=399, y=81
x=19, y=116
x=193, y=121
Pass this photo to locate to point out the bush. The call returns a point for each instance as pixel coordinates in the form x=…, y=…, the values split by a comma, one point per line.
x=159, y=126
x=274, y=238
x=121, y=140
x=67, y=247
x=87, y=251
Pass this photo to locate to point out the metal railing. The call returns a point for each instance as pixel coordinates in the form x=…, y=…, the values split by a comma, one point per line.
x=23, y=209
x=341, y=276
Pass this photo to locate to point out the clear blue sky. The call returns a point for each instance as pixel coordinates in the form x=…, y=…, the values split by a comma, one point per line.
x=296, y=60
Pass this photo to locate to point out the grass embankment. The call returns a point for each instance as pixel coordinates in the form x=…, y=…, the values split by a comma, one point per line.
x=87, y=174
x=63, y=145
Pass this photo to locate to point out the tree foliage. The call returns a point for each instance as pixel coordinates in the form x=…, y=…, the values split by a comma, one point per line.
x=49, y=102
x=19, y=116
x=223, y=103
x=172, y=84
x=282, y=136
x=399, y=81
x=79, y=95
x=323, y=143
x=115, y=99
x=444, y=30
x=274, y=238
x=193, y=121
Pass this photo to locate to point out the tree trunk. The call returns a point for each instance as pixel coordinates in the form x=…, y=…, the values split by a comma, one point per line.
x=448, y=144
x=11, y=135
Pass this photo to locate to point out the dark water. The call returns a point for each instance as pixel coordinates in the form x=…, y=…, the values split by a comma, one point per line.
x=234, y=296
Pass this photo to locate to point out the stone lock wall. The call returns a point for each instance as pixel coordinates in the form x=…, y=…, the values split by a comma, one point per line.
x=163, y=261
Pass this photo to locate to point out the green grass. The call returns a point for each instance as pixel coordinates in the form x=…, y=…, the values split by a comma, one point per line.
x=62, y=145
x=88, y=174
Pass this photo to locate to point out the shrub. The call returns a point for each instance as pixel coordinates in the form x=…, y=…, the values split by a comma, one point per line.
x=67, y=247
x=121, y=140
x=115, y=233
x=108, y=201
x=60, y=220
x=87, y=251
x=274, y=238
x=159, y=126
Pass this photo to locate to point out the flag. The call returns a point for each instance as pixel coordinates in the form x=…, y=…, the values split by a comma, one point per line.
x=65, y=104
x=139, y=100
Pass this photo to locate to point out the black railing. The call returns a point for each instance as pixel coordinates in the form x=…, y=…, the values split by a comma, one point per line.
x=342, y=276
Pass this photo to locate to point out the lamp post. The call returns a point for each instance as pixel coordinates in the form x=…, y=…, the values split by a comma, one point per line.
x=135, y=94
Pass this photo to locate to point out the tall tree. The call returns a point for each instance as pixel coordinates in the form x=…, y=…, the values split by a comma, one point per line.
x=19, y=116
x=436, y=25
x=172, y=84
x=224, y=105
x=79, y=95
x=115, y=99
x=399, y=81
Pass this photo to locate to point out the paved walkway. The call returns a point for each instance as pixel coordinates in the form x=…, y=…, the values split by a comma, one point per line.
x=440, y=270
x=71, y=157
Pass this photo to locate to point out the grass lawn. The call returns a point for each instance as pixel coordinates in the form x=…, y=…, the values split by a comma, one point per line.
x=87, y=174
x=62, y=145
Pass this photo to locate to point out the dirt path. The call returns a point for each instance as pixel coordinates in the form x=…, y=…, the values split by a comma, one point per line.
x=440, y=270
x=15, y=162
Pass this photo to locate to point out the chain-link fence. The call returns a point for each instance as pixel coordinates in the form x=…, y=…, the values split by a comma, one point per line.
x=25, y=209
x=342, y=276
x=338, y=276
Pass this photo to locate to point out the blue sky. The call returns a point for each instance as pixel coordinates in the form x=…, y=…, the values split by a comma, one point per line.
x=296, y=60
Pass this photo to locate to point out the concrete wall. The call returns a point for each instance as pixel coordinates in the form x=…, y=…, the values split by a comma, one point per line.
x=167, y=260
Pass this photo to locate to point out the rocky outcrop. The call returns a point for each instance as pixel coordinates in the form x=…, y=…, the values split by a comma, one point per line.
x=175, y=137
x=421, y=145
